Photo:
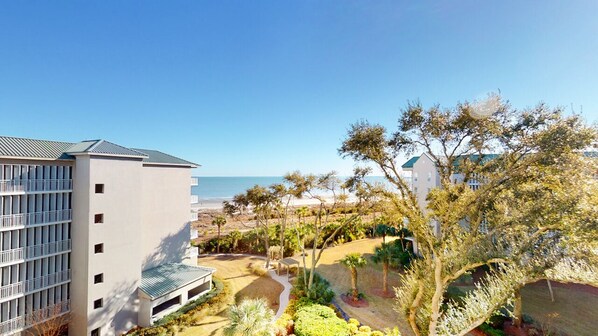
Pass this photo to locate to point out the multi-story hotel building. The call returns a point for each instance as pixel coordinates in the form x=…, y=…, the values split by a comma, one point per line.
x=94, y=230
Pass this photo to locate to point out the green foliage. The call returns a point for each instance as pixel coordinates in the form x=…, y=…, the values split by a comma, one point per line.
x=318, y=320
x=250, y=318
x=490, y=331
x=320, y=291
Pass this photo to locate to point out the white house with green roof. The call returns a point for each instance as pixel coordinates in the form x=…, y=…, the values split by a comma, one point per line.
x=86, y=227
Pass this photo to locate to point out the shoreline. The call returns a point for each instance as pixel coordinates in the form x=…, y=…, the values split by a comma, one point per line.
x=216, y=203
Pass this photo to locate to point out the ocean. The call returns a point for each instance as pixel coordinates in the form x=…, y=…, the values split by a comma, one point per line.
x=217, y=189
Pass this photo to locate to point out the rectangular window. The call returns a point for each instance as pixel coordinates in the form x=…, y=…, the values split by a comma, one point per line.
x=95, y=332
x=429, y=177
x=98, y=248
x=98, y=278
x=99, y=188
x=98, y=218
x=98, y=303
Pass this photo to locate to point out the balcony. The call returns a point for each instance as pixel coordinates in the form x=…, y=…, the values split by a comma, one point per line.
x=19, y=221
x=194, y=181
x=19, y=323
x=46, y=281
x=194, y=216
x=21, y=186
x=46, y=249
x=194, y=199
x=194, y=234
x=35, y=284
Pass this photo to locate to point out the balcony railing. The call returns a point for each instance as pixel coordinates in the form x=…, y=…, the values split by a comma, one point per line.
x=19, y=323
x=11, y=290
x=194, y=199
x=194, y=181
x=12, y=221
x=194, y=234
x=47, y=281
x=7, y=186
x=21, y=220
x=12, y=255
x=48, y=248
x=194, y=216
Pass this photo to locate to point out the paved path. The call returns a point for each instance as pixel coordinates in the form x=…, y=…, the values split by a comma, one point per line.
x=283, y=302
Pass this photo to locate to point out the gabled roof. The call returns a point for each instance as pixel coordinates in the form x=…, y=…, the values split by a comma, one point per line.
x=23, y=148
x=164, y=279
x=157, y=157
x=409, y=164
x=103, y=147
x=12, y=147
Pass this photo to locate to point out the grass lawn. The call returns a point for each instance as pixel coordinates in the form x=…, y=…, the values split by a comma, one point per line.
x=573, y=311
x=380, y=313
x=243, y=283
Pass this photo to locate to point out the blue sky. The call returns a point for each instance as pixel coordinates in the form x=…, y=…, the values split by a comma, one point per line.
x=266, y=87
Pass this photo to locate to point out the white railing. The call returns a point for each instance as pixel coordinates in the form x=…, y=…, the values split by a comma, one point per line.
x=47, y=248
x=49, y=216
x=11, y=186
x=19, y=323
x=194, y=234
x=194, y=216
x=47, y=281
x=194, y=181
x=35, y=185
x=12, y=221
x=194, y=199
x=12, y=325
x=11, y=290
x=20, y=220
x=11, y=255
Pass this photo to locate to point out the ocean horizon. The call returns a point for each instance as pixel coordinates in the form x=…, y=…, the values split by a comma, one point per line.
x=222, y=188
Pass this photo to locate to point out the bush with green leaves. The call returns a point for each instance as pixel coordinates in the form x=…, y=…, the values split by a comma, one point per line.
x=320, y=291
x=319, y=320
x=250, y=318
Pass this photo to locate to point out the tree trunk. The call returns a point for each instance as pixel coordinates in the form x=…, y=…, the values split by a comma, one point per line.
x=385, y=277
x=550, y=290
x=218, y=245
x=354, y=290
x=517, y=309
x=437, y=297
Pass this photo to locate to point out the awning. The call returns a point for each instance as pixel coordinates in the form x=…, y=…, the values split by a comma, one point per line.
x=164, y=279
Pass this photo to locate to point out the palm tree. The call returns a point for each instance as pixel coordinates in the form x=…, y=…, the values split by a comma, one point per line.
x=250, y=318
x=387, y=254
x=353, y=261
x=219, y=221
x=235, y=236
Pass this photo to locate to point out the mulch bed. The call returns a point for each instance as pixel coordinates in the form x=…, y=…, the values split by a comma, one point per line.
x=361, y=303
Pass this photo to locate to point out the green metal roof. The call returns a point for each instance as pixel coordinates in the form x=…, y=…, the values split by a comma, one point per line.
x=164, y=279
x=13, y=147
x=103, y=147
x=32, y=148
x=410, y=163
x=158, y=157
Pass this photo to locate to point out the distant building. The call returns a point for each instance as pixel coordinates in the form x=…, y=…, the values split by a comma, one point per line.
x=95, y=229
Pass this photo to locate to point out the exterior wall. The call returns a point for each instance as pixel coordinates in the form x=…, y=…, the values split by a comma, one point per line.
x=165, y=215
x=120, y=205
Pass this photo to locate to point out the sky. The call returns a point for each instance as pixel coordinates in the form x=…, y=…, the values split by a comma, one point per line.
x=261, y=88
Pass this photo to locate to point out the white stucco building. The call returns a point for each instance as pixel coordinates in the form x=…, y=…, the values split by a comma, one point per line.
x=95, y=229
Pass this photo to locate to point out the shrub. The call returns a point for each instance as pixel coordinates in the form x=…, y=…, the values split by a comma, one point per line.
x=320, y=291
x=258, y=269
x=318, y=320
x=365, y=329
x=488, y=330
x=377, y=333
x=354, y=321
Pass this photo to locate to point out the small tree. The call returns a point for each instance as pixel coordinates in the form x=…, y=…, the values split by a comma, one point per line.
x=384, y=230
x=219, y=221
x=250, y=318
x=51, y=321
x=387, y=255
x=235, y=236
x=353, y=261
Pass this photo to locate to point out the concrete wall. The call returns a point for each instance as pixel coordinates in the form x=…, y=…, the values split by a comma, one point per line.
x=120, y=233
x=166, y=210
x=427, y=179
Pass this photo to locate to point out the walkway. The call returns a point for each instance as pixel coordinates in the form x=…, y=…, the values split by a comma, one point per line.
x=284, y=296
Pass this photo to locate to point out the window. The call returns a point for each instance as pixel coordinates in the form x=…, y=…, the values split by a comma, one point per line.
x=415, y=177
x=95, y=332
x=429, y=177
x=98, y=303
x=98, y=218
x=99, y=188
x=98, y=278
x=98, y=248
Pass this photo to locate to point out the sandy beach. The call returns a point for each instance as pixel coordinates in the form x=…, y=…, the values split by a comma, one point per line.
x=216, y=203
